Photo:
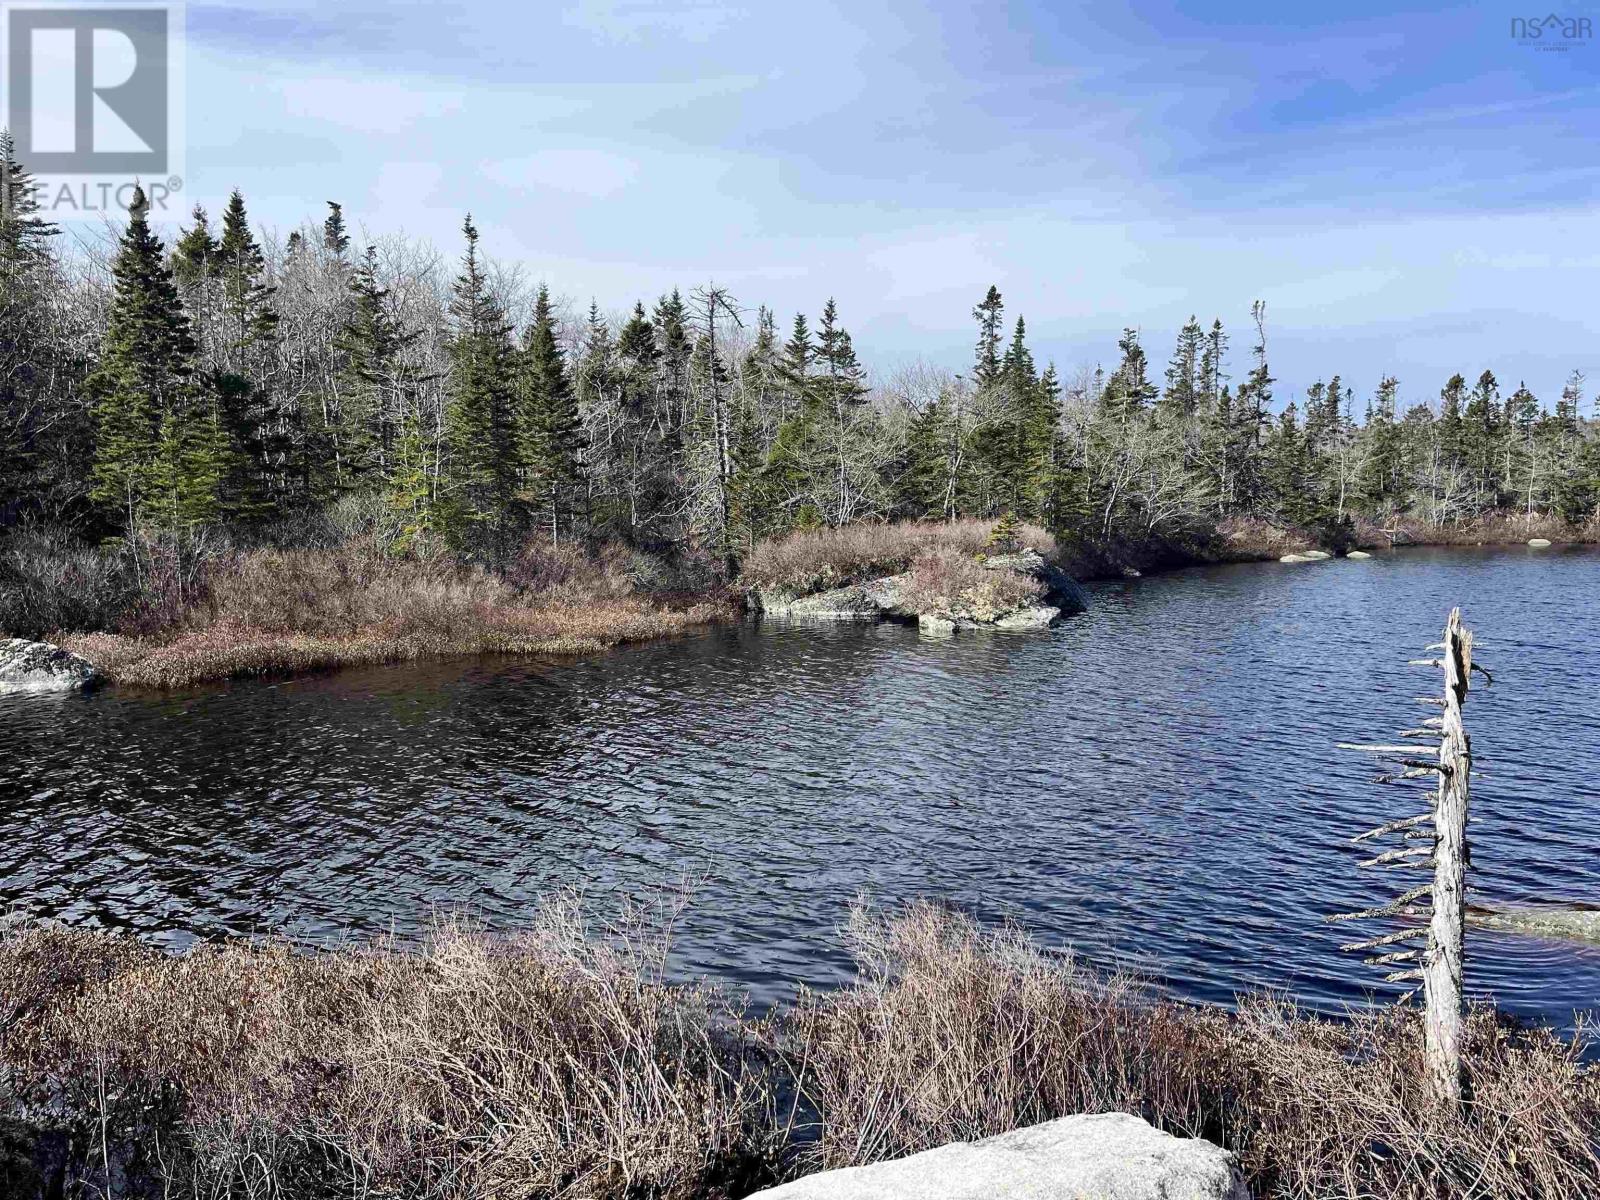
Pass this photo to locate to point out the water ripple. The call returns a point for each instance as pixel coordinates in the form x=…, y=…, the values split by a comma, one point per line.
x=1154, y=783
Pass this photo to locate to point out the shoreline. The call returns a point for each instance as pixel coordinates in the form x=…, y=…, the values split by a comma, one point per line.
x=566, y=626
x=514, y=1063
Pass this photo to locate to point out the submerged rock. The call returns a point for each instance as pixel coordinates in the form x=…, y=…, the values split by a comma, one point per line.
x=1358, y=554
x=1576, y=922
x=1035, y=616
x=40, y=667
x=1105, y=1156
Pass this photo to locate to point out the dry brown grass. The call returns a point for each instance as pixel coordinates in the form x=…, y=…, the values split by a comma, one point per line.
x=955, y=1033
x=949, y=582
x=286, y=611
x=1251, y=539
x=815, y=560
x=551, y=1064
x=1491, y=529
x=547, y=1064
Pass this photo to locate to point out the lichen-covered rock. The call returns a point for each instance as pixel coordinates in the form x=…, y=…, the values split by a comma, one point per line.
x=1358, y=555
x=1106, y=1156
x=40, y=667
x=883, y=598
x=854, y=603
x=1061, y=590
x=1034, y=616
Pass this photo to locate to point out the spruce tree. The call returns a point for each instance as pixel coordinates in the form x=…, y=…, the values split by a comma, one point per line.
x=1129, y=391
x=552, y=428
x=373, y=389
x=1184, y=385
x=1382, y=474
x=260, y=474
x=158, y=454
x=28, y=284
x=480, y=512
x=986, y=358
x=334, y=235
x=842, y=391
x=1482, y=437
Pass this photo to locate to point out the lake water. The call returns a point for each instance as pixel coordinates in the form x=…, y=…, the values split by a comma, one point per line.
x=1154, y=783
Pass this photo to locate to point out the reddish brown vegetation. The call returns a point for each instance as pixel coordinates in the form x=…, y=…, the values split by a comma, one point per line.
x=815, y=560
x=549, y=1064
x=279, y=611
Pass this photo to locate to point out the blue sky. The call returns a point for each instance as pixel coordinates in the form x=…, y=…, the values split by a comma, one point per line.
x=1409, y=189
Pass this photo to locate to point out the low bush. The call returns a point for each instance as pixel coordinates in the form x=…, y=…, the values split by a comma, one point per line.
x=540, y=1065
x=278, y=611
x=51, y=581
x=952, y=583
x=552, y=1064
x=956, y=1033
x=1490, y=529
x=808, y=561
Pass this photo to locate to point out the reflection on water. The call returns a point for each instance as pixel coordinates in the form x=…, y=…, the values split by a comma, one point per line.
x=1153, y=783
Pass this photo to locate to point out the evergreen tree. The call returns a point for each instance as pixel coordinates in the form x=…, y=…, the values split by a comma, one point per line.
x=158, y=454
x=481, y=512
x=193, y=256
x=259, y=473
x=1253, y=415
x=926, y=486
x=986, y=365
x=1184, y=379
x=1288, y=470
x=842, y=392
x=374, y=395
x=1451, y=438
x=334, y=235
x=28, y=281
x=1383, y=469
x=552, y=428
x=1481, y=436
x=1129, y=392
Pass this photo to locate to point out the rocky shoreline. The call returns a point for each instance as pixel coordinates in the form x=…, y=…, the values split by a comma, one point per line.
x=892, y=598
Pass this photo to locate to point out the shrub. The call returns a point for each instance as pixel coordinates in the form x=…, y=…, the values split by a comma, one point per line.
x=550, y=1063
x=540, y=1065
x=809, y=561
x=51, y=581
x=955, y=1033
x=947, y=582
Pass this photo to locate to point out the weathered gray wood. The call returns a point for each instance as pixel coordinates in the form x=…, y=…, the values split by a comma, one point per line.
x=1441, y=983
x=1443, y=853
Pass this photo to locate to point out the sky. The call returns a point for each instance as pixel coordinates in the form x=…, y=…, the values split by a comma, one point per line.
x=1409, y=189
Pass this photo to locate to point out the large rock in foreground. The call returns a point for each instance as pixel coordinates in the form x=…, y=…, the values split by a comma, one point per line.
x=1108, y=1156
x=40, y=667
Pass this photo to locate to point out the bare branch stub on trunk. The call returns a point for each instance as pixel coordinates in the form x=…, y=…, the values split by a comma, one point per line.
x=1444, y=828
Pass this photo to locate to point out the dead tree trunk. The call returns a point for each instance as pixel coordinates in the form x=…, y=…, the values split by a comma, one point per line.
x=1441, y=967
x=1443, y=851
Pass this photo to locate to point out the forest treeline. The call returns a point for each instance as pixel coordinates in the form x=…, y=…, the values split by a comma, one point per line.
x=220, y=383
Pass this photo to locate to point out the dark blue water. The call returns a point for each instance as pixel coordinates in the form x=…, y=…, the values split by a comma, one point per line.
x=1154, y=783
